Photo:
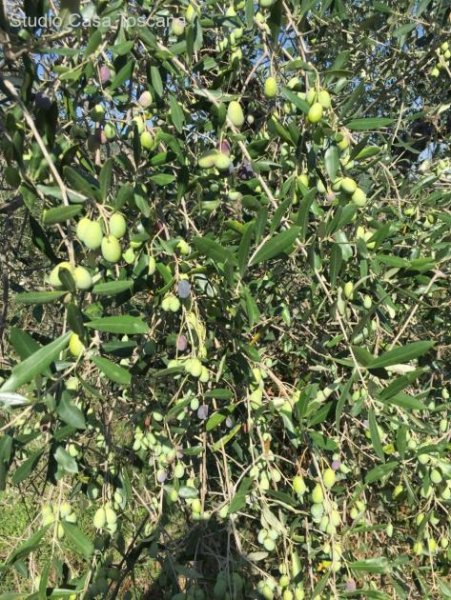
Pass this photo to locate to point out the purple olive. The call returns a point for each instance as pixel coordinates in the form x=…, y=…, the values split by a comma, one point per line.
x=105, y=75
x=42, y=101
x=184, y=289
x=162, y=475
x=245, y=172
x=182, y=343
x=224, y=147
x=351, y=585
x=336, y=464
x=202, y=412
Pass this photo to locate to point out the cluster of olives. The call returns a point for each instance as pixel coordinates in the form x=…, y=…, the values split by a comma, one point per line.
x=192, y=593
x=191, y=497
x=431, y=547
x=55, y=514
x=347, y=185
x=324, y=510
x=228, y=586
x=426, y=544
x=104, y=574
x=256, y=388
x=319, y=100
x=283, y=588
x=90, y=233
x=444, y=55
x=347, y=291
x=171, y=303
x=232, y=40
x=435, y=473
x=105, y=518
x=441, y=168
x=215, y=159
x=328, y=522
x=365, y=235
x=109, y=133
x=262, y=472
x=80, y=275
x=192, y=366
x=350, y=188
x=268, y=538
x=165, y=456
x=358, y=510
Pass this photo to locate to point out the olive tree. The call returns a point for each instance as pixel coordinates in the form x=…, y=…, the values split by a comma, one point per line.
x=225, y=323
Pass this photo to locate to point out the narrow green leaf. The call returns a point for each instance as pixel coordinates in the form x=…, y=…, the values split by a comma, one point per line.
x=38, y=297
x=163, y=179
x=81, y=184
x=397, y=385
x=11, y=400
x=65, y=460
x=401, y=355
x=243, y=250
x=157, y=84
x=332, y=161
x=214, y=421
x=402, y=31
x=302, y=218
x=371, y=565
x=219, y=394
x=35, y=364
x=44, y=579
x=28, y=546
x=112, y=370
x=105, y=178
x=362, y=355
x=125, y=325
x=292, y=97
x=70, y=413
x=380, y=471
x=366, y=152
x=123, y=75
x=26, y=468
x=23, y=343
x=112, y=288
x=280, y=243
x=405, y=401
x=374, y=433
x=369, y=123
x=177, y=116
x=60, y=214
x=93, y=43
x=253, y=314
x=79, y=541
x=238, y=502
x=226, y=439
x=344, y=395
x=213, y=250
x=336, y=262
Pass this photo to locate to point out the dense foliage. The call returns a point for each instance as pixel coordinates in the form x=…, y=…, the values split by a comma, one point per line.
x=225, y=243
